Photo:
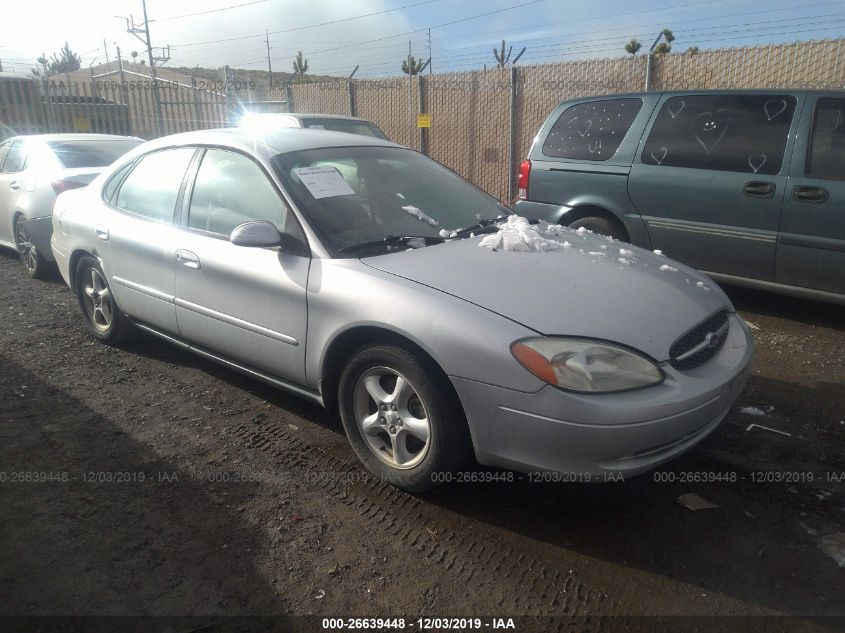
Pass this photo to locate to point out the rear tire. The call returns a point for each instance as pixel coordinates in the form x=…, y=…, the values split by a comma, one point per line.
x=32, y=262
x=402, y=417
x=102, y=318
x=602, y=226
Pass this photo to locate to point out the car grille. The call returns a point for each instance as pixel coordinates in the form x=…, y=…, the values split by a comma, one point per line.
x=700, y=344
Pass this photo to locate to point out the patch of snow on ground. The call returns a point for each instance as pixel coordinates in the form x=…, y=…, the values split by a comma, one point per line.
x=658, y=252
x=518, y=235
x=670, y=269
x=752, y=411
x=834, y=546
x=419, y=215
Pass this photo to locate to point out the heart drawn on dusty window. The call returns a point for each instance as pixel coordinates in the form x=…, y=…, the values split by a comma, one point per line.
x=708, y=128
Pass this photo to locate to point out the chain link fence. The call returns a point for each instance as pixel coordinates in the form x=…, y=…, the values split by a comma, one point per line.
x=482, y=122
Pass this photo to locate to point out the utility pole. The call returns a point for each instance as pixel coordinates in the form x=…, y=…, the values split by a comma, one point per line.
x=410, y=97
x=145, y=30
x=429, y=51
x=269, y=64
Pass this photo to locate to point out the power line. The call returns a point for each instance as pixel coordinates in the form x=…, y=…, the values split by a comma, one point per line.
x=188, y=15
x=311, y=26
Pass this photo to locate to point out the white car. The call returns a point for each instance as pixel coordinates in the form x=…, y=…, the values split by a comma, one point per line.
x=34, y=170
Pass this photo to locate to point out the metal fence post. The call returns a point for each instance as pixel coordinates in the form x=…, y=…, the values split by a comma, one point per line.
x=421, y=83
x=351, y=88
x=512, y=130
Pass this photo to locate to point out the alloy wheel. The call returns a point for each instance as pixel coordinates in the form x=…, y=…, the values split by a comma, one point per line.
x=98, y=304
x=392, y=417
x=26, y=247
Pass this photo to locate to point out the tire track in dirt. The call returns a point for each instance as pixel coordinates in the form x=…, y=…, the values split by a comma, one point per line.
x=530, y=587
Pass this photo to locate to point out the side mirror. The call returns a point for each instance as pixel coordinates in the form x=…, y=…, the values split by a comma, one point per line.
x=256, y=234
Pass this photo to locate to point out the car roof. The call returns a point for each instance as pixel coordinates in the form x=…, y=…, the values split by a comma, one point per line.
x=709, y=91
x=267, y=143
x=73, y=137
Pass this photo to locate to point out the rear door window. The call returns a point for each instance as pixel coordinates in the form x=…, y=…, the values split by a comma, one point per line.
x=152, y=188
x=724, y=132
x=591, y=131
x=827, y=144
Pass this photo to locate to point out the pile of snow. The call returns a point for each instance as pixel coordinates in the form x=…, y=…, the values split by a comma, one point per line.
x=518, y=235
x=447, y=234
x=419, y=215
x=670, y=269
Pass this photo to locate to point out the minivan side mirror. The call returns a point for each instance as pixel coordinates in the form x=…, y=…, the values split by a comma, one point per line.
x=256, y=234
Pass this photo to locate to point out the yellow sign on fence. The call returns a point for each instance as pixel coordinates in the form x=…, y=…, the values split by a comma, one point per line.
x=82, y=124
x=423, y=120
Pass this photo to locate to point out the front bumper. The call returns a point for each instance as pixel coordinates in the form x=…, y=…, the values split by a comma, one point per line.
x=622, y=433
x=40, y=230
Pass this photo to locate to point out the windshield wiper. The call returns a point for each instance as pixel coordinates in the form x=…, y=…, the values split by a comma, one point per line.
x=391, y=240
x=476, y=227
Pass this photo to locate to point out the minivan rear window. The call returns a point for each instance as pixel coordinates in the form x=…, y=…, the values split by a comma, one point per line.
x=724, y=132
x=591, y=131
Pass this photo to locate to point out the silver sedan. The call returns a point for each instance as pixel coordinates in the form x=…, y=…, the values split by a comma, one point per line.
x=33, y=171
x=369, y=278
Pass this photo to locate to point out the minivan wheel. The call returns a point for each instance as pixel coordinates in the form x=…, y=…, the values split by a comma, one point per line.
x=602, y=226
x=402, y=418
x=33, y=264
x=100, y=313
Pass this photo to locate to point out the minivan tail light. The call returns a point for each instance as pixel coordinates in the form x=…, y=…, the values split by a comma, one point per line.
x=522, y=181
x=60, y=186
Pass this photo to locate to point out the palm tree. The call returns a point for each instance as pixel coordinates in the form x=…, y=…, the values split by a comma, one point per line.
x=300, y=65
x=415, y=67
x=633, y=47
x=134, y=56
x=502, y=59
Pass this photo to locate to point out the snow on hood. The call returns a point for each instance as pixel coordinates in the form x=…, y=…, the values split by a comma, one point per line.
x=518, y=235
x=589, y=285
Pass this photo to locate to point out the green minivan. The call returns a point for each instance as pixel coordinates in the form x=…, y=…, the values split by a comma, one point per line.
x=745, y=185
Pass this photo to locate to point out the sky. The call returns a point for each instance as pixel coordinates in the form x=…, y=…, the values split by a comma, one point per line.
x=338, y=35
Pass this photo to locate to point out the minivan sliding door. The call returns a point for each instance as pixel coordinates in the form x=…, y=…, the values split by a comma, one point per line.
x=710, y=179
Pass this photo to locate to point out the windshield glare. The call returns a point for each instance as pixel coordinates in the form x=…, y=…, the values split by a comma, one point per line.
x=356, y=195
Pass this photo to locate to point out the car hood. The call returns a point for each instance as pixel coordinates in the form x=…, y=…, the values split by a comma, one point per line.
x=591, y=287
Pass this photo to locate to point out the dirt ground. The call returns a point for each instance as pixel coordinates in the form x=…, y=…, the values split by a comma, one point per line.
x=176, y=487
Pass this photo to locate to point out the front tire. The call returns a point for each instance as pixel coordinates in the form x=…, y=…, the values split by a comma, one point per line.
x=402, y=417
x=102, y=318
x=33, y=264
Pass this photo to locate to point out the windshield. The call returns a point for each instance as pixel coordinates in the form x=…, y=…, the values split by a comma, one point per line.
x=358, y=195
x=93, y=153
x=345, y=125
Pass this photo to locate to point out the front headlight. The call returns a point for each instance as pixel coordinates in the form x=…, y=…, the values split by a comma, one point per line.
x=585, y=365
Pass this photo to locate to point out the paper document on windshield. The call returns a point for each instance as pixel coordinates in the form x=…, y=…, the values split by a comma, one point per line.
x=324, y=182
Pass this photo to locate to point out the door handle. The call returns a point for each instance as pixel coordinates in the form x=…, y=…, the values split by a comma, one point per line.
x=804, y=193
x=759, y=189
x=14, y=185
x=101, y=232
x=188, y=259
